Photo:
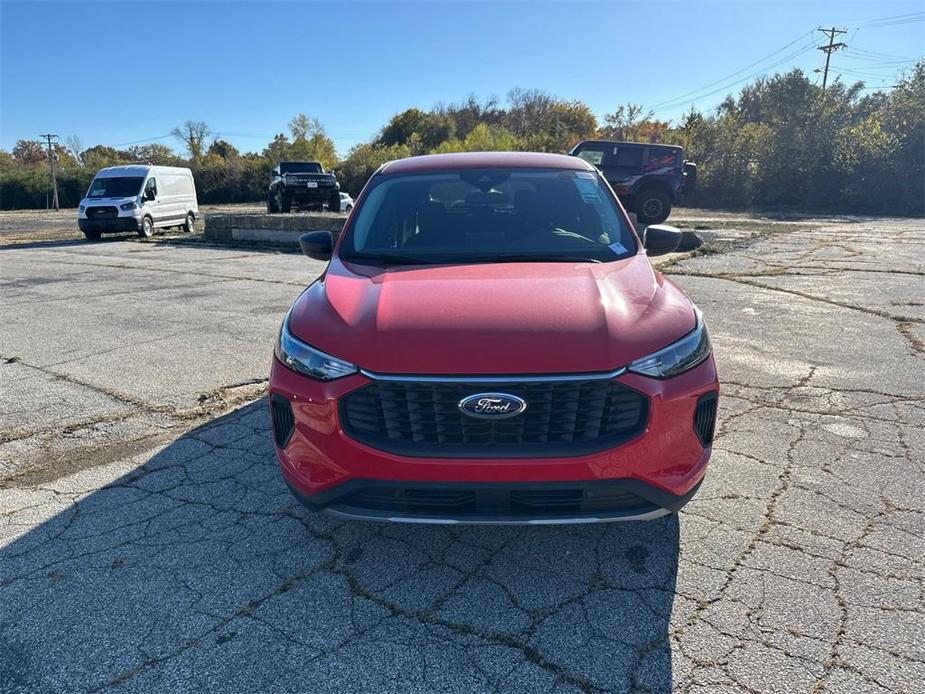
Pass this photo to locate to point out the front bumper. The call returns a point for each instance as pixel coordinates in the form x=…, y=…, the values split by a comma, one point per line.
x=650, y=475
x=111, y=224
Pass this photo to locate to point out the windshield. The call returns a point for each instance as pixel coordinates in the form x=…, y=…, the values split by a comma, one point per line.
x=116, y=187
x=489, y=215
x=300, y=167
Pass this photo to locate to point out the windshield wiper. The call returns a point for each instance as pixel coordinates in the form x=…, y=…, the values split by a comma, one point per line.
x=389, y=258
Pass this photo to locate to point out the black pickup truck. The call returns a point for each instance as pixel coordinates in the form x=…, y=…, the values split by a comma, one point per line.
x=648, y=178
x=303, y=184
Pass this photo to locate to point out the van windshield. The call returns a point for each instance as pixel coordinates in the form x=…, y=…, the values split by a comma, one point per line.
x=115, y=187
x=489, y=216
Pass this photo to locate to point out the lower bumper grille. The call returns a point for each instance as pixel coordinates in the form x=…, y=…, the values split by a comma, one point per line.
x=283, y=420
x=705, y=418
x=493, y=503
x=562, y=418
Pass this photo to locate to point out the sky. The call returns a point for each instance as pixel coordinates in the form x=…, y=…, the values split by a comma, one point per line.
x=126, y=73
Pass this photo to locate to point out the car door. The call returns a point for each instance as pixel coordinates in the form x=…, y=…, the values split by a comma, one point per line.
x=153, y=201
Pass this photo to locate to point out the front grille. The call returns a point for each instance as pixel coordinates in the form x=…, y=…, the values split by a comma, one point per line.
x=563, y=418
x=705, y=418
x=489, y=502
x=283, y=420
x=102, y=212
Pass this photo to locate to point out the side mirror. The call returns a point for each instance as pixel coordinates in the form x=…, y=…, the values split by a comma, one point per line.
x=317, y=244
x=149, y=194
x=660, y=239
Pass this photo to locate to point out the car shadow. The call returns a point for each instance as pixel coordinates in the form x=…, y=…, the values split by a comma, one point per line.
x=196, y=570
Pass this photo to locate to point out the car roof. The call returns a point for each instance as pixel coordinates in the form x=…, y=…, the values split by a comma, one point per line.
x=128, y=170
x=626, y=142
x=484, y=160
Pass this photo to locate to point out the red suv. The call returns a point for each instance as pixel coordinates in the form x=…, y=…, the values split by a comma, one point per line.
x=490, y=344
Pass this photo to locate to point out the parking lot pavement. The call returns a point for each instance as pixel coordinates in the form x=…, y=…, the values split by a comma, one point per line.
x=171, y=557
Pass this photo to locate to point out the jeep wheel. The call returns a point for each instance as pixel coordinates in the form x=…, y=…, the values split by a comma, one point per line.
x=284, y=202
x=334, y=204
x=652, y=205
x=188, y=225
x=147, y=227
x=271, y=204
x=92, y=235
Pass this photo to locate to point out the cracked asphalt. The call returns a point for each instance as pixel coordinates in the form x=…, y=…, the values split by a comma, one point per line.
x=147, y=542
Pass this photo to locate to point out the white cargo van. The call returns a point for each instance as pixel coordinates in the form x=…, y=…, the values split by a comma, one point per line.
x=138, y=198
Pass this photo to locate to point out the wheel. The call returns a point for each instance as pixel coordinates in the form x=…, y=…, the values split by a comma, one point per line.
x=284, y=202
x=190, y=220
x=272, y=207
x=652, y=205
x=147, y=228
x=348, y=208
x=93, y=235
x=334, y=204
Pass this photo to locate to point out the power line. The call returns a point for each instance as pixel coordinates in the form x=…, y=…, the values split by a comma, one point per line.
x=737, y=72
x=52, y=161
x=785, y=59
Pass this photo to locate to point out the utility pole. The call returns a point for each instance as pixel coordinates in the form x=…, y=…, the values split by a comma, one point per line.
x=828, y=50
x=52, y=161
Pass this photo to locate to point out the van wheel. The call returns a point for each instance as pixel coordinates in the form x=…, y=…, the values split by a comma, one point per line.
x=652, y=205
x=147, y=228
x=93, y=235
x=188, y=226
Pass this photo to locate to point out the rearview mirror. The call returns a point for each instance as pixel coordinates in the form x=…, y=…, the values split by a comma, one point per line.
x=317, y=244
x=659, y=239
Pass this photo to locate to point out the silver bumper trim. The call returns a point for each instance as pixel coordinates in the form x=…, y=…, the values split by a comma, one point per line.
x=649, y=515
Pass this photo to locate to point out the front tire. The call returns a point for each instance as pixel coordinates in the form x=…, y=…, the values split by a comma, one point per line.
x=285, y=203
x=93, y=235
x=147, y=227
x=272, y=207
x=188, y=225
x=652, y=205
x=334, y=204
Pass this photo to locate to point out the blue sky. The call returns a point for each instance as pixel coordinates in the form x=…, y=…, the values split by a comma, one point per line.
x=118, y=73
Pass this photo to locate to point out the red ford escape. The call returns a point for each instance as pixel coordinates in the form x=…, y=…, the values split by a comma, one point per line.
x=489, y=344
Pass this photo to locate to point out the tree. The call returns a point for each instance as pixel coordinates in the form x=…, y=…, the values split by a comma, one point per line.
x=29, y=152
x=223, y=149
x=76, y=147
x=304, y=128
x=193, y=134
x=624, y=123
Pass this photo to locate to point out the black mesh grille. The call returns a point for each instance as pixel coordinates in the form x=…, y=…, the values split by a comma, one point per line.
x=283, y=421
x=705, y=418
x=494, y=503
x=102, y=212
x=562, y=418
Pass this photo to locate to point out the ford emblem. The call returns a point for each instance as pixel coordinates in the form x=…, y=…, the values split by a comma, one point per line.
x=492, y=405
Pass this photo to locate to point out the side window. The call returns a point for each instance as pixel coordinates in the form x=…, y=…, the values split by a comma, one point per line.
x=150, y=187
x=662, y=158
x=626, y=157
x=592, y=155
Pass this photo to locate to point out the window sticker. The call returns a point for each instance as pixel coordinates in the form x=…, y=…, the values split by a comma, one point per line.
x=617, y=248
x=587, y=188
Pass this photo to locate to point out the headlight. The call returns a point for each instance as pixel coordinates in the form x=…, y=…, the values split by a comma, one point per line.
x=82, y=208
x=679, y=356
x=307, y=360
x=128, y=205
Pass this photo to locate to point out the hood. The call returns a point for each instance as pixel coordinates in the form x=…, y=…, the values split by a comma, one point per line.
x=524, y=318
x=108, y=201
